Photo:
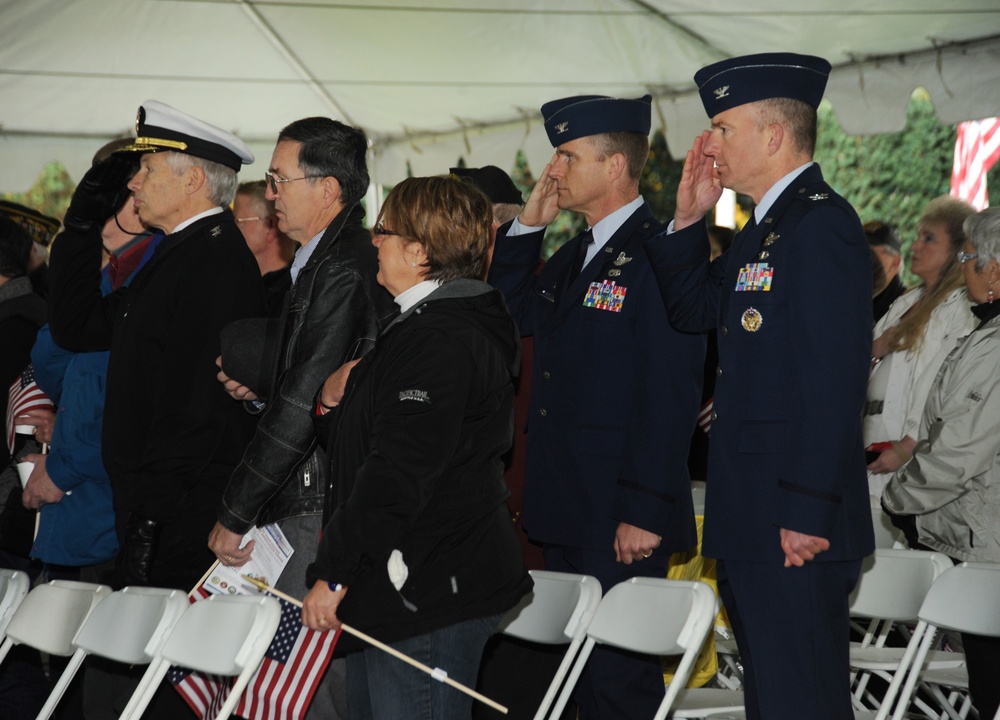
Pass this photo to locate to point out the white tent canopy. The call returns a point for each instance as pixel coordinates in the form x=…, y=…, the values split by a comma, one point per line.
x=435, y=80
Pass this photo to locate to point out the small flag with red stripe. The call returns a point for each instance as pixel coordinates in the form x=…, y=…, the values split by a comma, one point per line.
x=705, y=416
x=24, y=395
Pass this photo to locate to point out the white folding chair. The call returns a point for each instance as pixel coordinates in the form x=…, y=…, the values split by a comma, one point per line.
x=220, y=635
x=128, y=626
x=49, y=617
x=892, y=586
x=654, y=616
x=698, y=489
x=965, y=598
x=14, y=585
x=703, y=702
x=557, y=611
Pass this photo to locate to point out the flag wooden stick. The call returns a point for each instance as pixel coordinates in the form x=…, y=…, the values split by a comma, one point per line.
x=437, y=674
x=203, y=578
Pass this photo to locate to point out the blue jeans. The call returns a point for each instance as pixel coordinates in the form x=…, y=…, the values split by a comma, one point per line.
x=382, y=687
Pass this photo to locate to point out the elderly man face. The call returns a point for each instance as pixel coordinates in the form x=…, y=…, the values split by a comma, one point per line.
x=159, y=192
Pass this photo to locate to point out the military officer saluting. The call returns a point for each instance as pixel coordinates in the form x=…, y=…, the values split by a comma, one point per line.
x=171, y=437
x=615, y=389
x=786, y=512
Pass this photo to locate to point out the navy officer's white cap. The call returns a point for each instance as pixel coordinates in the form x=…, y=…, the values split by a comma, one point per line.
x=585, y=115
x=741, y=80
x=159, y=127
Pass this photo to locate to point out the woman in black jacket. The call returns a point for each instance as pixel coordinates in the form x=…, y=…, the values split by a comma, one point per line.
x=418, y=548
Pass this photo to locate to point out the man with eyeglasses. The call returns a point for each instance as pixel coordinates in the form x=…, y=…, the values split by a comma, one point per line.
x=272, y=249
x=334, y=311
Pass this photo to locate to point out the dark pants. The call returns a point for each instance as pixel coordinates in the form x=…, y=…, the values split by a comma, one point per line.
x=517, y=673
x=982, y=655
x=614, y=683
x=792, y=626
x=381, y=687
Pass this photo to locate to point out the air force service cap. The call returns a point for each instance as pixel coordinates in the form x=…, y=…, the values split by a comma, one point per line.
x=159, y=127
x=585, y=115
x=741, y=80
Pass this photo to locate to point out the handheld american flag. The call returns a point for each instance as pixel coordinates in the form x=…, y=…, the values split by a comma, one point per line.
x=24, y=395
x=283, y=686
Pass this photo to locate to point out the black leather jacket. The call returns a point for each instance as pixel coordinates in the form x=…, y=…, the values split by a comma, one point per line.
x=336, y=309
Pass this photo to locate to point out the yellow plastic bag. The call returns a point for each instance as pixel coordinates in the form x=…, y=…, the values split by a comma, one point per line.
x=692, y=565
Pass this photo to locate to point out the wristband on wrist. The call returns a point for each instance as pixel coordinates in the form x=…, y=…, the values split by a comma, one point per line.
x=336, y=587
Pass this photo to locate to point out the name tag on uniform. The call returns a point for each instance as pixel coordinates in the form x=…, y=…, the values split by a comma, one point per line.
x=605, y=295
x=755, y=277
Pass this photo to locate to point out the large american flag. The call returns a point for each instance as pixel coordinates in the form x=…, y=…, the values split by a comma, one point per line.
x=977, y=149
x=24, y=395
x=283, y=686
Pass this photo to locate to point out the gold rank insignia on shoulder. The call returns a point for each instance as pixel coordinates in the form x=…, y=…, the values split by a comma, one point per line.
x=819, y=196
x=751, y=320
x=622, y=259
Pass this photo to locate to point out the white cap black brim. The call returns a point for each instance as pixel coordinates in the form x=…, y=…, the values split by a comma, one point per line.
x=159, y=128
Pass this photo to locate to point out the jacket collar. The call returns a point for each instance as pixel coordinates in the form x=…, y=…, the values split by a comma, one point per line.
x=460, y=288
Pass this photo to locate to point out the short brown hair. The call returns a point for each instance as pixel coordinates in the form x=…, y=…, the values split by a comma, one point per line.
x=452, y=220
x=256, y=190
x=634, y=146
x=798, y=117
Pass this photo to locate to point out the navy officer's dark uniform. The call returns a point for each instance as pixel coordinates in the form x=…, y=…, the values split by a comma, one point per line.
x=792, y=303
x=615, y=393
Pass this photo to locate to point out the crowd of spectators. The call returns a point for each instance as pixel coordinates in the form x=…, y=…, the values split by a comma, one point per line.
x=219, y=356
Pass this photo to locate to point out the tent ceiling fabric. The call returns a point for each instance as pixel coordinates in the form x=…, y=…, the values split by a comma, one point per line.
x=434, y=80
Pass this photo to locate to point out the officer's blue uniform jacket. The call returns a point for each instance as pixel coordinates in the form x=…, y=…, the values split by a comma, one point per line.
x=794, y=336
x=615, y=391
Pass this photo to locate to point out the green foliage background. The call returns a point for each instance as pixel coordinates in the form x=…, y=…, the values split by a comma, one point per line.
x=892, y=177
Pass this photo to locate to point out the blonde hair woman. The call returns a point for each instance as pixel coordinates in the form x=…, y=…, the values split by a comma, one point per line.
x=914, y=337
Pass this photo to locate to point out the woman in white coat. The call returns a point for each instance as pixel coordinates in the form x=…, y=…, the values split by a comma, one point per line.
x=913, y=338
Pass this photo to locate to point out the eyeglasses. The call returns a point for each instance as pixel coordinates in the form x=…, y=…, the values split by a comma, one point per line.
x=964, y=257
x=249, y=219
x=383, y=231
x=273, y=180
